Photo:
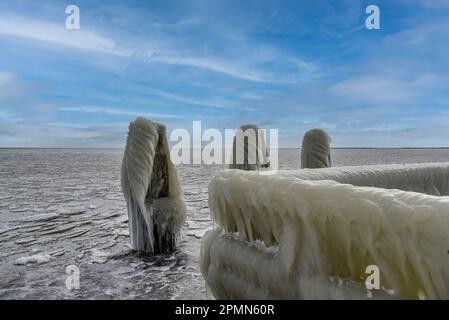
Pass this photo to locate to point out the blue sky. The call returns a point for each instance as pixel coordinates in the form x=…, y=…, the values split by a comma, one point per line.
x=290, y=65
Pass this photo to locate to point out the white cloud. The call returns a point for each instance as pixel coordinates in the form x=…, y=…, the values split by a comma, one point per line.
x=215, y=103
x=88, y=40
x=381, y=88
x=6, y=79
x=426, y=37
x=25, y=129
x=431, y=4
x=11, y=88
x=247, y=67
x=223, y=67
x=123, y=112
x=57, y=33
x=169, y=51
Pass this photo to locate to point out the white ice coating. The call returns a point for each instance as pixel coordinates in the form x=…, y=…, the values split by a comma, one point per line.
x=315, y=150
x=327, y=231
x=429, y=178
x=155, y=206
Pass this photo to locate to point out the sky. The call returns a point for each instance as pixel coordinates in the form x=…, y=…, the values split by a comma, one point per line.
x=286, y=65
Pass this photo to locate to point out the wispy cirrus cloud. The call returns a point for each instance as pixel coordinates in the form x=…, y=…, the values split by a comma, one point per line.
x=12, y=88
x=36, y=30
x=383, y=88
x=294, y=66
x=214, y=103
x=297, y=70
x=223, y=67
x=26, y=134
x=170, y=53
x=121, y=112
x=429, y=4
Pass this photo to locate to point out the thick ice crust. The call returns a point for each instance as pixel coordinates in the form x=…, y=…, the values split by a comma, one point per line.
x=237, y=269
x=151, y=188
x=328, y=230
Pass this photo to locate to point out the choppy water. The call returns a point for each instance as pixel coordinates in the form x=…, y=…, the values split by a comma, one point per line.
x=65, y=207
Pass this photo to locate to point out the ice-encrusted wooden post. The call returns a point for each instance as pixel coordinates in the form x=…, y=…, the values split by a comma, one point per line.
x=315, y=150
x=151, y=188
x=249, y=151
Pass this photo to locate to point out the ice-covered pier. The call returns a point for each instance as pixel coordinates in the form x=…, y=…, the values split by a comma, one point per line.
x=151, y=188
x=311, y=233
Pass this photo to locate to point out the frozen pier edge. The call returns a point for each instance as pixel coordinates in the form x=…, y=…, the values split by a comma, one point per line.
x=151, y=188
x=310, y=234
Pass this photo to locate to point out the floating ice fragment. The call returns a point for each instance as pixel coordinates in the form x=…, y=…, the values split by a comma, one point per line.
x=40, y=217
x=25, y=240
x=99, y=256
x=57, y=253
x=36, y=258
x=80, y=255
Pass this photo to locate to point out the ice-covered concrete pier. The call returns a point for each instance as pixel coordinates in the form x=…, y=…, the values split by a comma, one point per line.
x=315, y=150
x=308, y=234
x=249, y=151
x=151, y=188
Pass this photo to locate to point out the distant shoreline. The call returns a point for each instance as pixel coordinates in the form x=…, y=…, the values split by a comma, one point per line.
x=335, y=148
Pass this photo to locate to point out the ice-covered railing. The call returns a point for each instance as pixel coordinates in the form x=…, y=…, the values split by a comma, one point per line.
x=283, y=236
x=429, y=178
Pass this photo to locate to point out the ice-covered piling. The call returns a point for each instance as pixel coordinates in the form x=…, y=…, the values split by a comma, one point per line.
x=151, y=188
x=315, y=150
x=249, y=151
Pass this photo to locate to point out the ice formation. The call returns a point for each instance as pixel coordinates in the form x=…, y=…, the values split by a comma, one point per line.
x=315, y=150
x=249, y=151
x=300, y=235
x=429, y=178
x=151, y=188
x=35, y=258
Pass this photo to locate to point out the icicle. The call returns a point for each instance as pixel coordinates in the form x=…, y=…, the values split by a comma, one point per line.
x=151, y=188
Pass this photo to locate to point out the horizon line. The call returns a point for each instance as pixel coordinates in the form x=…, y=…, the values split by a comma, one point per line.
x=121, y=148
